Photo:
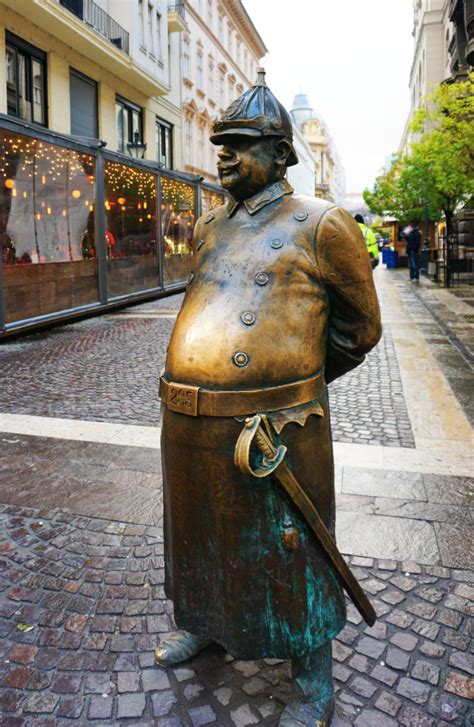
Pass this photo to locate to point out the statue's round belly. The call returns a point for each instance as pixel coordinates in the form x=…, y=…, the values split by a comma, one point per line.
x=231, y=343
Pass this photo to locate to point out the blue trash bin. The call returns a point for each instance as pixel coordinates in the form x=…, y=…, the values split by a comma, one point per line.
x=392, y=260
x=385, y=250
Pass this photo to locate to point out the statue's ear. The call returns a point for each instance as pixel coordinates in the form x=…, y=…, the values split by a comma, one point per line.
x=282, y=151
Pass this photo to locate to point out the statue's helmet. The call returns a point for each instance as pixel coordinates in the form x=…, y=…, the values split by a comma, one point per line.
x=256, y=113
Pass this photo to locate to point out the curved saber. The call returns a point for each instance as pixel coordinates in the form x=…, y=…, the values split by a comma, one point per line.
x=273, y=462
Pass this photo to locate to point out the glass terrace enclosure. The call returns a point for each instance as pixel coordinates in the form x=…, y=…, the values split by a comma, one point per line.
x=84, y=229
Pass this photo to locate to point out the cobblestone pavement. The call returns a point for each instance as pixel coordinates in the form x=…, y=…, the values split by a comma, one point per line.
x=367, y=404
x=106, y=369
x=83, y=608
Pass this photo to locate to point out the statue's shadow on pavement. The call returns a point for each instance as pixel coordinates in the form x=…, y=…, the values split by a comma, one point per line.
x=238, y=692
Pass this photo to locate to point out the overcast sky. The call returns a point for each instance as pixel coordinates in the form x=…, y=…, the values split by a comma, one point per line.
x=353, y=58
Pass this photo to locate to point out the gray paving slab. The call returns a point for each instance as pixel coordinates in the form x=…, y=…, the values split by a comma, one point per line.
x=387, y=537
x=456, y=544
x=383, y=483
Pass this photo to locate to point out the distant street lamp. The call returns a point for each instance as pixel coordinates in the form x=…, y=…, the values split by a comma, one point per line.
x=136, y=147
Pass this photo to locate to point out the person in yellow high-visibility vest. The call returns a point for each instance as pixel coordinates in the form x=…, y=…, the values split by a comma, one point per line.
x=370, y=241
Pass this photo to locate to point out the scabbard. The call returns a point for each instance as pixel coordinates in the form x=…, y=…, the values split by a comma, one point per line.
x=273, y=463
x=287, y=479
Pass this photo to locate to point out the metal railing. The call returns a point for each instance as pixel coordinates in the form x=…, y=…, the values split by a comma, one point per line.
x=89, y=12
x=177, y=8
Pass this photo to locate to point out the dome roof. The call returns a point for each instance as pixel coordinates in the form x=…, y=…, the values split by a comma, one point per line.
x=301, y=110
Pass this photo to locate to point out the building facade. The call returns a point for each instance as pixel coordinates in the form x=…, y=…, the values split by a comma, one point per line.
x=329, y=172
x=220, y=53
x=443, y=33
x=302, y=175
x=102, y=69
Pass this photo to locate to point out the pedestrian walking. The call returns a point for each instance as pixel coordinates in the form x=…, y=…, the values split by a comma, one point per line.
x=413, y=238
x=370, y=240
x=280, y=302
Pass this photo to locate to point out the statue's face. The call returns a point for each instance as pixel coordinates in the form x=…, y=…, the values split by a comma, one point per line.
x=246, y=165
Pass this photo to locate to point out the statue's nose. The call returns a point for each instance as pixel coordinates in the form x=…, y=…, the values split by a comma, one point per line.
x=225, y=153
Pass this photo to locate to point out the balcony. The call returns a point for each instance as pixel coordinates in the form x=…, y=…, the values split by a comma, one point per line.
x=89, y=12
x=176, y=18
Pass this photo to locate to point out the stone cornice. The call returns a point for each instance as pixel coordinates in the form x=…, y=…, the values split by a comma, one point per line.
x=243, y=21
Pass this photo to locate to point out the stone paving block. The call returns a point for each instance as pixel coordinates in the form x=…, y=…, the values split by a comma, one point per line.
x=202, y=715
x=370, y=647
x=100, y=707
x=130, y=705
x=372, y=718
x=412, y=717
x=397, y=659
x=243, y=716
x=388, y=703
x=414, y=690
x=405, y=641
x=162, y=702
x=459, y=684
x=154, y=679
x=426, y=672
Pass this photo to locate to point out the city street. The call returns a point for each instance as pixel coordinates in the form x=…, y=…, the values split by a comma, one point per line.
x=82, y=604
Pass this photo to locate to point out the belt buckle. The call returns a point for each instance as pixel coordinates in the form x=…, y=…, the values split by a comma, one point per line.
x=183, y=399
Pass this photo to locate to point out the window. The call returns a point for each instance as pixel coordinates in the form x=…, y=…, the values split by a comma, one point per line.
x=221, y=89
x=186, y=65
x=220, y=31
x=189, y=141
x=129, y=123
x=199, y=74
x=210, y=86
x=210, y=12
x=164, y=139
x=159, y=44
x=83, y=98
x=201, y=147
x=26, y=80
x=231, y=91
x=141, y=36
x=149, y=29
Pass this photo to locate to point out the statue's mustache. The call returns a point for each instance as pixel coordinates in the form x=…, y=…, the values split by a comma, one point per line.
x=227, y=166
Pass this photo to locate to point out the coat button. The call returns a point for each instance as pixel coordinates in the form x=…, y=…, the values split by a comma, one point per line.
x=240, y=358
x=248, y=318
x=261, y=278
x=300, y=215
x=276, y=244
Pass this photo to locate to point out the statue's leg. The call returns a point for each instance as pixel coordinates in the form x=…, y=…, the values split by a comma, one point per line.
x=312, y=703
x=179, y=647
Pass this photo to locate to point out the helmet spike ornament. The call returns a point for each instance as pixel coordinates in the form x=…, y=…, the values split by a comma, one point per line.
x=256, y=113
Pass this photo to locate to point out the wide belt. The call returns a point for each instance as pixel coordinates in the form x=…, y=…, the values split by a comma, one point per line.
x=195, y=401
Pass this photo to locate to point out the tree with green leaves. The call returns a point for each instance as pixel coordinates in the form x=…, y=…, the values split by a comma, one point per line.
x=437, y=174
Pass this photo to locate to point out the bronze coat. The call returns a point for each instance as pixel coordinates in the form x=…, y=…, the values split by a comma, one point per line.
x=299, y=266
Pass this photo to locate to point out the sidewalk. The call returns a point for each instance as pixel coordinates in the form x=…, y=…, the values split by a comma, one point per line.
x=81, y=554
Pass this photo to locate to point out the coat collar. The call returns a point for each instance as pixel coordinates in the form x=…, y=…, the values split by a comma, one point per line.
x=266, y=195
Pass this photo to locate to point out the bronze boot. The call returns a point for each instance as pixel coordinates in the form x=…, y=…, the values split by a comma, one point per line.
x=179, y=647
x=312, y=704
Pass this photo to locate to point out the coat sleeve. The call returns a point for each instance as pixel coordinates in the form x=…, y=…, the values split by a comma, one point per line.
x=354, y=325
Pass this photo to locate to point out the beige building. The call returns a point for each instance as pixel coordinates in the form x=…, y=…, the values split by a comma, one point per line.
x=432, y=34
x=329, y=172
x=221, y=51
x=104, y=69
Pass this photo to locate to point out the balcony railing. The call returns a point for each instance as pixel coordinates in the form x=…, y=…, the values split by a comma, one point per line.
x=177, y=8
x=89, y=12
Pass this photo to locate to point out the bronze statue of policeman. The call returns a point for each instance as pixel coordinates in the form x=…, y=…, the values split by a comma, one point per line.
x=280, y=302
